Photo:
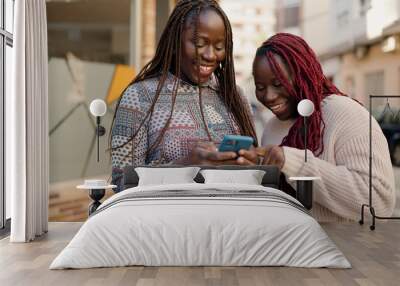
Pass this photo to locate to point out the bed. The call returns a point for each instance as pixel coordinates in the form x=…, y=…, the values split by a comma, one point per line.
x=201, y=224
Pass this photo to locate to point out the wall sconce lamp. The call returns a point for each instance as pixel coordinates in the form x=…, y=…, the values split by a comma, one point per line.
x=98, y=108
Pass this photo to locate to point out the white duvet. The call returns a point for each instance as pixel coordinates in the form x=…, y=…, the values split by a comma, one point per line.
x=207, y=230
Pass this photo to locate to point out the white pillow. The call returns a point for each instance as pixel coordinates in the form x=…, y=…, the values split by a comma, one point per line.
x=248, y=177
x=166, y=176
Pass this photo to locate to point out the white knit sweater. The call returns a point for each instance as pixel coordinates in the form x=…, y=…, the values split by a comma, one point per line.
x=343, y=165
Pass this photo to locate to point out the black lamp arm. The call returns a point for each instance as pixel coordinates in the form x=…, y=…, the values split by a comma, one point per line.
x=100, y=131
x=305, y=138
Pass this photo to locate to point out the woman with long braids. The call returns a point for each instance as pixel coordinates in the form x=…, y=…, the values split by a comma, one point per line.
x=286, y=71
x=185, y=99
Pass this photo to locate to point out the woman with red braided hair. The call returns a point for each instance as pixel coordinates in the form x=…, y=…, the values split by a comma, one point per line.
x=286, y=71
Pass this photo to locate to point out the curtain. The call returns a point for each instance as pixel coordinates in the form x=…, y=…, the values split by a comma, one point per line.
x=27, y=156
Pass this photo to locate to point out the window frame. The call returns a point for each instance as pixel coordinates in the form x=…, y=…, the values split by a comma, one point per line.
x=6, y=39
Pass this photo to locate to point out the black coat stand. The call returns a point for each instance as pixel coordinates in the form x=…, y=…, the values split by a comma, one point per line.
x=370, y=205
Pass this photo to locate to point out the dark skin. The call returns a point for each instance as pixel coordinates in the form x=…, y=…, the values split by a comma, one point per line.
x=272, y=94
x=210, y=46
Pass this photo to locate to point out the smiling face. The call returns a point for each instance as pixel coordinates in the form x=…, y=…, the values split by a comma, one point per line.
x=270, y=91
x=210, y=44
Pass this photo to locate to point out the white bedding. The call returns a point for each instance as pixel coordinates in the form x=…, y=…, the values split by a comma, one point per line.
x=187, y=230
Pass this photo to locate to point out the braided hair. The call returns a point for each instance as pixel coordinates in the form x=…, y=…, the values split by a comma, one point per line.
x=167, y=58
x=307, y=82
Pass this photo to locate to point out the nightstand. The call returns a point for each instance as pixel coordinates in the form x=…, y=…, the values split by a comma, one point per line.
x=304, y=190
x=96, y=193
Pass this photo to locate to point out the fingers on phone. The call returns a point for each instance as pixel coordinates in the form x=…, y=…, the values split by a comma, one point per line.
x=249, y=155
x=221, y=156
x=244, y=161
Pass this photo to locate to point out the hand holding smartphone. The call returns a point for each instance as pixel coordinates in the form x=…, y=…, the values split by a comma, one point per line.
x=234, y=143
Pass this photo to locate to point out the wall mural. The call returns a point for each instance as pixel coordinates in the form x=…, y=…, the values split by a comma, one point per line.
x=73, y=84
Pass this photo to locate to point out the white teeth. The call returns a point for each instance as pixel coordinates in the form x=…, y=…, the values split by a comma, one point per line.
x=276, y=107
x=205, y=69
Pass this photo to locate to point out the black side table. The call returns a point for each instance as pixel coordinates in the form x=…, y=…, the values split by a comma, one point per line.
x=96, y=193
x=304, y=190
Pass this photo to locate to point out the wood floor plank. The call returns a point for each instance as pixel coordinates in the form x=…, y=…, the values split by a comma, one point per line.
x=212, y=272
x=131, y=276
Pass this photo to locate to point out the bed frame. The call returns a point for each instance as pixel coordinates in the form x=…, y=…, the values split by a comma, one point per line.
x=270, y=179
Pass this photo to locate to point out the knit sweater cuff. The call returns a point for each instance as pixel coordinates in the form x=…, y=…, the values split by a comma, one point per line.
x=294, y=161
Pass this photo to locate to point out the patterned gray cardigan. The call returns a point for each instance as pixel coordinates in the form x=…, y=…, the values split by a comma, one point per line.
x=184, y=130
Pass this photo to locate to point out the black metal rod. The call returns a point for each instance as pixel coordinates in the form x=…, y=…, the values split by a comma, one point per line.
x=98, y=147
x=370, y=151
x=98, y=137
x=384, y=96
x=383, y=217
x=305, y=138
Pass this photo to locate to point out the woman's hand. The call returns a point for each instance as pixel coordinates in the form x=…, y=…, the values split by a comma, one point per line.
x=270, y=155
x=206, y=153
x=251, y=156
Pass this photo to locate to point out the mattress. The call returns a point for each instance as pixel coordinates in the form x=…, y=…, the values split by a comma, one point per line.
x=201, y=225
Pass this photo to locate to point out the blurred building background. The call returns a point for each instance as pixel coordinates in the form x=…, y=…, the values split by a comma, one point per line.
x=357, y=42
x=252, y=23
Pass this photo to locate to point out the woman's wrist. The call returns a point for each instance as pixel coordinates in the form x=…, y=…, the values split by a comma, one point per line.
x=183, y=161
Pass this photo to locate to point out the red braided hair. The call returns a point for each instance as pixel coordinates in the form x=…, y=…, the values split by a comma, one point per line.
x=308, y=82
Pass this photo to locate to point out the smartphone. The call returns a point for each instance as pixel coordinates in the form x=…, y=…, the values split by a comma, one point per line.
x=235, y=143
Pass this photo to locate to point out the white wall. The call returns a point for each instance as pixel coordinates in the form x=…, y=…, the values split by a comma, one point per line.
x=382, y=14
x=346, y=22
x=349, y=21
x=315, y=24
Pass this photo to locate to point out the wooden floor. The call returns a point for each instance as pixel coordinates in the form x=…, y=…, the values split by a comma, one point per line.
x=375, y=257
x=67, y=203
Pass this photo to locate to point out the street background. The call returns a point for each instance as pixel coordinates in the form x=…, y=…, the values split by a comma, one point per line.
x=96, y=45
